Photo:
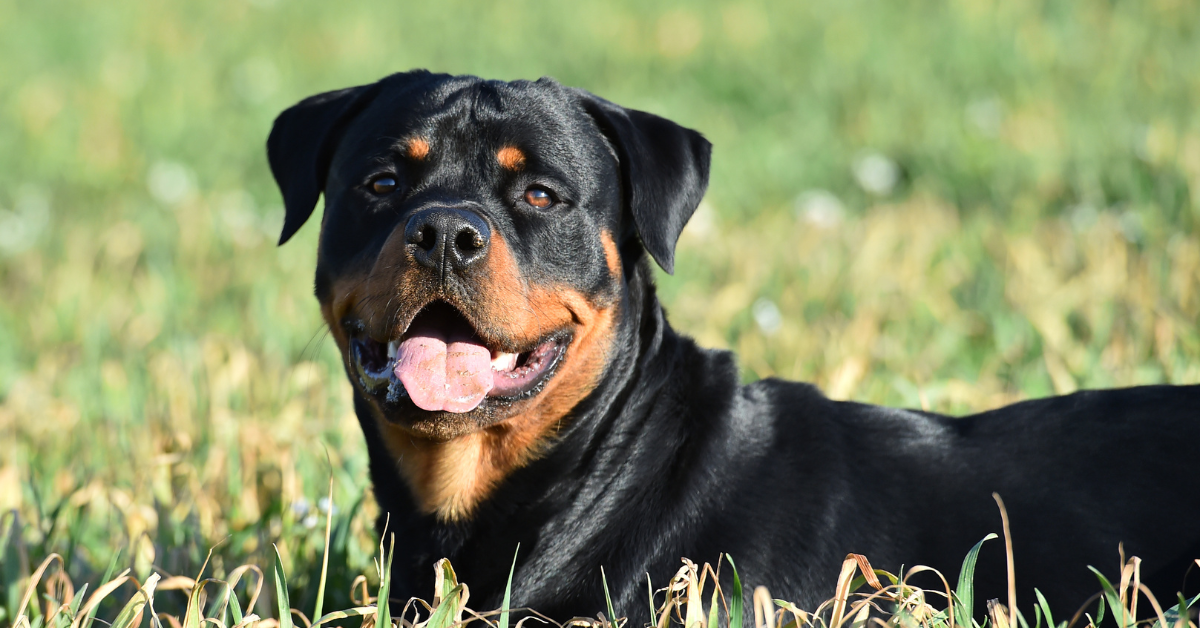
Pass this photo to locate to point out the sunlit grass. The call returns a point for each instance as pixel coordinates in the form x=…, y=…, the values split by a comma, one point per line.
x=862, y=596
x=946, y=205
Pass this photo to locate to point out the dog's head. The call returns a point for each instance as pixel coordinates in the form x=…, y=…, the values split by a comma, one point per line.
x=470, y=263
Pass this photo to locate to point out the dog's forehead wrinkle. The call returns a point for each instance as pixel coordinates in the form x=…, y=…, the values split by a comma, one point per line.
x=469, y=121
x=508, y=109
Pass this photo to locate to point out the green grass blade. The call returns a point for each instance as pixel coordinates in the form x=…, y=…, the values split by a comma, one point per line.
x=67, y=617
x=443, y=615
x=1180, y=608
x=735, y=605
x=1114, y=601
x=965, y=592
x=383, y=614
x=230, y=602
x=112, y=567
x=282, y=601
x=78, y=601
x=612, y=615
x=194, y=616
x=102, y=592
x=108, y=575
x=235, y=607
x=1172, y=614
x=320, y=604
x=857, y=582
x=449, y=579
x=504, y=605
x=231, y=605
x=1041, y=599
x=133, y=608
x=1020, y=618
x=650, y=599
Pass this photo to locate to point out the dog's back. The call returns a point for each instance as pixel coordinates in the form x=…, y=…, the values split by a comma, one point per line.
x=1079, y=475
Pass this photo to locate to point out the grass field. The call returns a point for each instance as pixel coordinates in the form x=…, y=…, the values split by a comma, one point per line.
x=949, y=205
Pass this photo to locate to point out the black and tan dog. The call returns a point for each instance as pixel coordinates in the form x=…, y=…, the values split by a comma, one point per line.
x=483, y=267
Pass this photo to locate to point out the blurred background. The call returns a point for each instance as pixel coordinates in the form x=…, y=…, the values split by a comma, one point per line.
x=949, y=205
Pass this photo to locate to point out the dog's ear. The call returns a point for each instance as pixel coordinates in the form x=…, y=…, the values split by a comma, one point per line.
x=305, y=136
x=302, y=143
x=664, y=172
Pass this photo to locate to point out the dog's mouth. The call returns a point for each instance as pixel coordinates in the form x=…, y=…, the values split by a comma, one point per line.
x=441, y=363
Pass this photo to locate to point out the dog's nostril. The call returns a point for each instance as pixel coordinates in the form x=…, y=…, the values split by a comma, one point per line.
x=426, y=237
x=469, y=239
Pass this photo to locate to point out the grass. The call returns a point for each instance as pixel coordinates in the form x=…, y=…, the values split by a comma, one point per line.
x=887, y=600
x=942, y=205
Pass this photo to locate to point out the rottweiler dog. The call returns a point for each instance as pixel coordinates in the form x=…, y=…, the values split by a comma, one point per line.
x=485, y=268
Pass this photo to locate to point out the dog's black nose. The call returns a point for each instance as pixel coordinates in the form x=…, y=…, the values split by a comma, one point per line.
x=444, y=238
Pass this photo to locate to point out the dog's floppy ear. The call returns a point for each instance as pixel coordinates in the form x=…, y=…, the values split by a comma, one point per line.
x=301, y=145
x=664, y=171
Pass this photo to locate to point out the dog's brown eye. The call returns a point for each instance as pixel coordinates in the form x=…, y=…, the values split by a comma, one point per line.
x=539, y=198
x=384, y=185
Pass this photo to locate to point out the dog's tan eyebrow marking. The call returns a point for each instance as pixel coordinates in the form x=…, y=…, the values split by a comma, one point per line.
x=511, y=158
x=612, y=255
x=418, y=148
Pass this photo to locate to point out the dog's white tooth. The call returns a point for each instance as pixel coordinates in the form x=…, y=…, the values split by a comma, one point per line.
x=393, y=346
x=504, y=362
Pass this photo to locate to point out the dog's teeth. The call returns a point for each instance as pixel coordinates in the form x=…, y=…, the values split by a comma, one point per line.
x=392, y=347
x=504, y=362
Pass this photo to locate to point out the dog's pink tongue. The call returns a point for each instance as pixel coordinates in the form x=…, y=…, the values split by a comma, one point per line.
x=440, y=373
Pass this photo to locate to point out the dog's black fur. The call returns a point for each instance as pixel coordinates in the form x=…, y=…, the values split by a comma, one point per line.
x=662, y=453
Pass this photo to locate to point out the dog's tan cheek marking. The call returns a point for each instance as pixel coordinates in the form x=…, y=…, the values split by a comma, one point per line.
x=451, y=478
x=364, y=290
x=418, y=148
x=343, y=294
x=576, y=376
x=511, y=158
